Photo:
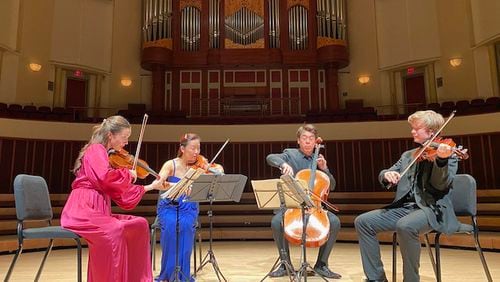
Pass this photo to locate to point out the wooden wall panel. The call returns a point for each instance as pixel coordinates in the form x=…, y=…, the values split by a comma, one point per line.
x=354, y=163
x=6, y=165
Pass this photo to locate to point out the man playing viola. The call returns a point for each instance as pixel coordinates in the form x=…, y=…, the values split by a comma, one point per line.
x=421, y=204
x=290, y=162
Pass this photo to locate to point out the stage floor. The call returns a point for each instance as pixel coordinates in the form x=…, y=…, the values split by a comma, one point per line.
x=251, y=261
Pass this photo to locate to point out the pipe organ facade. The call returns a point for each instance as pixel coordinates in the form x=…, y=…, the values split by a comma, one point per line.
x=157, y=23
x=233, y=57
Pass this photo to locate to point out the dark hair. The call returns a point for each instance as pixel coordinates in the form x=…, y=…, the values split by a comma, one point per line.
x=308, y=128
x=185, y=139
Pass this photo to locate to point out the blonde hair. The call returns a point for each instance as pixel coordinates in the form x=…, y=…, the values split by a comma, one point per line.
x=430, y=119
x=113, y=125
x=308, y=128
x=185, y=139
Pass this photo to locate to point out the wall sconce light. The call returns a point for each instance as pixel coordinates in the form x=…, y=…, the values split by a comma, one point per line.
x=455, y=62
x=364, y=79
x=126, y=82
x=35, y=67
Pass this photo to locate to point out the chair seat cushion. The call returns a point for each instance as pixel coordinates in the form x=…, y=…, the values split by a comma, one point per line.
x=465, y=228
x=49, y=232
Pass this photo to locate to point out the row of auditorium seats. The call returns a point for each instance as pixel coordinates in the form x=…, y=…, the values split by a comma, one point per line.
x=462, y=107
x=32, y=112
x=465, y=107
x=135, y=115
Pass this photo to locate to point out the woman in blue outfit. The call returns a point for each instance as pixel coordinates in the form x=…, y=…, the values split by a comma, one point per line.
x=172, y=171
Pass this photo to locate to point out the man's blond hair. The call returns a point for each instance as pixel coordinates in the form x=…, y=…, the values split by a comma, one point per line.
x=430, y=119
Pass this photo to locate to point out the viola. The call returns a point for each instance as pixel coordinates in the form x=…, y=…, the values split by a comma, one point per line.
x=318, y=225
x=122, y=159
x=430, y=151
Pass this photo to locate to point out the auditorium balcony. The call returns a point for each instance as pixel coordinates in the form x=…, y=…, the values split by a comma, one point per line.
x=249, y=110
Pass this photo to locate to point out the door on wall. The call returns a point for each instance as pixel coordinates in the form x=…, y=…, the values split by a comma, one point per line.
x=76, y=97
x=414, y=87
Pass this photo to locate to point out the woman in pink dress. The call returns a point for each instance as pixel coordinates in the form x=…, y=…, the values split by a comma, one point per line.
x=118, y=243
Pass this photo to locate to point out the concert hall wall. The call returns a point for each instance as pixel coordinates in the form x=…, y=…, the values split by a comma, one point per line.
x=356, y=152
x=103, y=39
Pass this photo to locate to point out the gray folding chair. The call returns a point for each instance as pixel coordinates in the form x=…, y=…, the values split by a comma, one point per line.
x=463, y=197
x=33, y=204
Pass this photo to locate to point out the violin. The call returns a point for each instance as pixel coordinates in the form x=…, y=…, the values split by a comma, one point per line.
x=200, y=166
x=318, y=225
x=208, y=168
x=430, y=151
x=122, y=159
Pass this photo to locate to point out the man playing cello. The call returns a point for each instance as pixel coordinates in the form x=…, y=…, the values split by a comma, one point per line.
x=290, y=162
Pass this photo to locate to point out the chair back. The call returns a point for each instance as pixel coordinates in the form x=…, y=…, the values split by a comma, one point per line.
x=463, y=195
x=32, y=198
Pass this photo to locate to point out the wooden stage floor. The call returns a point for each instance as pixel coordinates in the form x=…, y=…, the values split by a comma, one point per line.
x=251, y=260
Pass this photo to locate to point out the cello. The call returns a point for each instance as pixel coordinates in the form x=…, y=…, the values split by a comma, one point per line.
x=318, y=225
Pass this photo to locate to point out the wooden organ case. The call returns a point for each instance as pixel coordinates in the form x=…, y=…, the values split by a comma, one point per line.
x=212, y=58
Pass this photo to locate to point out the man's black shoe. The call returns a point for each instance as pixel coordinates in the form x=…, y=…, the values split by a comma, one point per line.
x=280, y=272
x=327, y=273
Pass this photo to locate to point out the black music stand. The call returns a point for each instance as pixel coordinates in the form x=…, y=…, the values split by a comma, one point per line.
x=305, y=202
x=272, y=194
x=216, y=188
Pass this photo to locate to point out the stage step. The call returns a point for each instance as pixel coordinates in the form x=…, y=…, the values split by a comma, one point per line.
x=488, y=240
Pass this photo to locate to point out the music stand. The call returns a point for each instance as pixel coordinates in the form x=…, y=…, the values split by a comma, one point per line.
x=216, y=188
x=181, y=187
x=272, y=194
x=174, y=193
x=305, y=202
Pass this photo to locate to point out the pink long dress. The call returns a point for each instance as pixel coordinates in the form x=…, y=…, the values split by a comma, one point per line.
x=118, y=244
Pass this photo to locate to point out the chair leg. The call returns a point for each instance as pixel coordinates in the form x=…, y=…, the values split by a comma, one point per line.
x=153, y=247
x=79, y=259
x=197, y=236
x=194, y=255
x=438, y=257
x=394, y=256
x=199, y=247
x=480, y=250
x=13, y=263
x=431, y=256
x=42, y=264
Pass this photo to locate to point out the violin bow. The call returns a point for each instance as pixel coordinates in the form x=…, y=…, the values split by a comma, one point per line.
x=220, y=150
x=327, y=204
x=139, y=142
x=425, y=146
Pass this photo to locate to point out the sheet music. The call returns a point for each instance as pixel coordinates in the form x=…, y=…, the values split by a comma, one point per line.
x=180, y=188
x=299, y=187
